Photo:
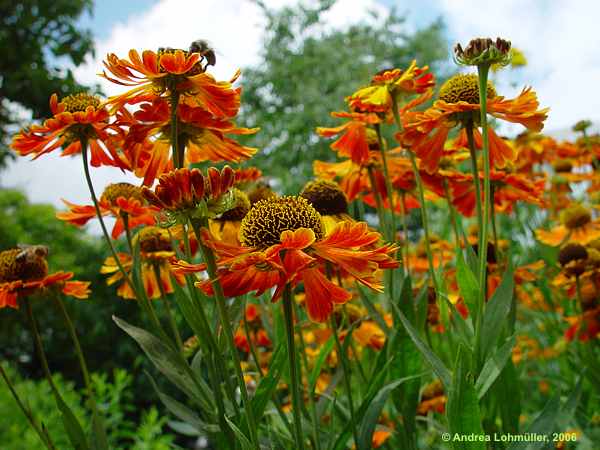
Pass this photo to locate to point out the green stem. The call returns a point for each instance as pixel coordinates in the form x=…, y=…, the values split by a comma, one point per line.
x=388, y=182
x=452, y=213
x=483, y=70
x=294, y=375
x=125, y=217
x=346, y=375
x=88, y=179
x=476, y=180
x=311, y=399
x=405, y=229
x=170, y=316
x=177, y=156
x=211, y=267
x=378, y=202
x=42, y=433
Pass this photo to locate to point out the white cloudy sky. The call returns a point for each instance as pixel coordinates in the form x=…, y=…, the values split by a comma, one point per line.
x=559, y=38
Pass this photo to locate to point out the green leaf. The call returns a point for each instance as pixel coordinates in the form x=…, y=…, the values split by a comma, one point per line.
x=507, y=386
x=321, y=357
x=467, y=283
x=545, y=422
x=242, y=439
x=371, y=415
x=463, y=405
x=72, y=425
x=268, y=384
x=98, y=434
x=182, y=412
x=436, y=363
x=493, y=367
x=166, y=360
x=496, y=312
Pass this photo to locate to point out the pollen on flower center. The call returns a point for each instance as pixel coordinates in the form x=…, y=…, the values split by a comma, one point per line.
x=240, y=206
x=264, y=223
x=23, y=264
x=326, y=197
x=80, y=102
x=464, y=88
x=154, y=239
x=575, y=217
x=115, y=190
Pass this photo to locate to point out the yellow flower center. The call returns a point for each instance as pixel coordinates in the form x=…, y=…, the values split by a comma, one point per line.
x=154, y=239
x=240, y=206
x=326, y=197
x=80, y=102
x=576, y=216
x=127, y=190
x=464, y=88
x=263, y=225
x=27, y=264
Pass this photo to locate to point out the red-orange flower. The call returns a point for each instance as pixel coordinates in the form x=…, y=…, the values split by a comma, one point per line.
x=283, y=243
x=121, y=200
x=75, y=118
x=171, y=70
x=425, y=133
x=24, y=271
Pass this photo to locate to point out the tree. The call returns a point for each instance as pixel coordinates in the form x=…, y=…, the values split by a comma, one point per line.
x=306, y=71
x=38, y=39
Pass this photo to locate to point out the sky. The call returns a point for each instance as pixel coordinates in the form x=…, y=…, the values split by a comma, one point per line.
x=559, y=39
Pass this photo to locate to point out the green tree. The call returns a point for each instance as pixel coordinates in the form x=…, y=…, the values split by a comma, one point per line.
x=39, y=38
x=306, y=71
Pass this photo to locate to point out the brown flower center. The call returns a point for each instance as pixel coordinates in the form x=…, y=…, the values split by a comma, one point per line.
x=240, y=206
x=464, y=88
x=80, y=102
x=127, y=190
x=326, y=197
x=263, y=225
x=576, y=216
x=154, y=239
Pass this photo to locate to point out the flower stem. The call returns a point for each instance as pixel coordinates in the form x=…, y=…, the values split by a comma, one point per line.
x=41, y=432
x=177, y=155
x=170, y=316
x=388, y=182
x=211, y=267
x=88, y=179
x=378, y=202
x=294, y=375
x=346, y=375
x=483, y=70
x=405, y=229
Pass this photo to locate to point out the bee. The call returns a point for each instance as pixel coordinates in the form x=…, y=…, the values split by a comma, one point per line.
x=203, y=47
x=31, y=253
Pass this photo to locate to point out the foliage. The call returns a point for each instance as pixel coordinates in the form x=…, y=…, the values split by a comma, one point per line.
x=306, y=70
x=115, y=397
x=39, y=39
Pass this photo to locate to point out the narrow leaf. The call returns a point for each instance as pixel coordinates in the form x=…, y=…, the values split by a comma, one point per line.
x=496, y=312
x=493, y=367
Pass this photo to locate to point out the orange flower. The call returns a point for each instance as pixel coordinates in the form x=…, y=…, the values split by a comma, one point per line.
x=354, y=142
x=584, y=327
x=432, y=399
x=378, y=97
x=426, y=132
x=202, y=134
x=119, y=200
x=171, y=70
x=24, y=271
x=155, y=251
x=282, y=242
x=75, y=118
x=576, y=226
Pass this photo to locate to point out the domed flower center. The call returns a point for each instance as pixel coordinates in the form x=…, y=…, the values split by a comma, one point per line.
x=575, y=217
x=127, y=190
x=464, y=88
x=240, y=206
x=263, y=225
x=572, y=252
x=326, y=197
x=80, y=102
x=27, y=264
x=154, y=239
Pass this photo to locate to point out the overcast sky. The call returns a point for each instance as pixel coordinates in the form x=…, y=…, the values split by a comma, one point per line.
x=559, y=38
